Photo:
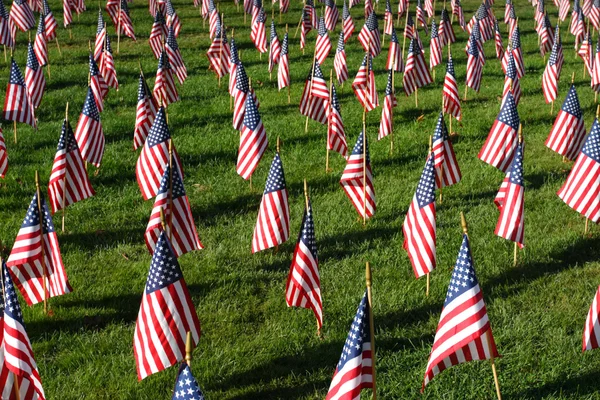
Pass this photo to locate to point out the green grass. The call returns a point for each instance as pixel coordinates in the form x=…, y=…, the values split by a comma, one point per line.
x=253, y=346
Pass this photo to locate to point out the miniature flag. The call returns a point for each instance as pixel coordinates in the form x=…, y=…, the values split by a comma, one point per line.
x=435, y=49
x=218, y=54
x=34, y=78
x=283, y=69
x=17, y=105
x=253, y=140
x=394, y=60
x=164, y=86
x=274, y=47
x=323, y=44
x=552, y=71
x=186, y=386
x=88, y=133
x=347, y=23
x=357, y=179
x=145, y=113
x=100, y=37
x=591, y=329
x=451, y=101
x=369, y=36
x=512, y=82
x=445, y=163
x=21, y=15
x=387, y=114
x=97, y=84
x=568, y=132
x=416, y=73
x=336, y=135
x=364, y=84
x=107, y=66
x=175, y=59
x=339, y=62
x=315, y=96
x=40, y=45
x=331, y=15
x=157, y=34
x=499, y=147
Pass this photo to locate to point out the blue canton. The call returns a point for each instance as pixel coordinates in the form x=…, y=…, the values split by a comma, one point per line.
x=358, y=334
x=100, y=22
x=32, y=218
x=463, y=275
x=440, y=132
x=234, y=58
x=444, y=17
x=164, y=268
x=334, y=99
x=108, y=45
x=434, y=29
x=159, y=131
x=163, y=61
x=90, y=108
x=516, y=39
x=159, y=18
x=358, y=148
x=473, y=50
x=178, y=189
x=16, y=78
x=511, y=68
x=322, y=29
x=426, y=188
x=307, y=236
x=394, y=36
x=318, y=71
x=67, y=141
x=592, y=143
x=571, y=104
x=284, y=45
x=186, y=387
x=170, y=9
x=276, y=178
x=372, y=22
x=241, y=79
x=273, y=31
x=94, y=71
x=32, y=61
x=508, y=114
x=171, y=41
x=516, y=167
x=389, y=90
x=251, y=115
x=341, y=45
x=450, y=67
x=41, y=30
x=141, y=88
x=345, y=12
x=12, y=308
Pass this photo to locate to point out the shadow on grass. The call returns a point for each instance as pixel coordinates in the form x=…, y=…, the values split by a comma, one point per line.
x=247, y=203
x=581, y=385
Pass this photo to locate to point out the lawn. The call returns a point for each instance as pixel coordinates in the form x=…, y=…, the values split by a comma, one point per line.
x=253, y=346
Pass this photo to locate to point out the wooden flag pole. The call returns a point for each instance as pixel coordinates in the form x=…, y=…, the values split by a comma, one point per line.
x=15, y=130
x=312, y=79
x=371, y=326
x=230, y=95
x=417, y=97
x=404, y=34
x=428, y=276
x=57, y=45
x=221, y=47
x=170, y=216
x=189, y=347
x=64, y=194
x=330, y=110
x=393, y=94
x=42, y=260
x=118, y=29
x=290, y=83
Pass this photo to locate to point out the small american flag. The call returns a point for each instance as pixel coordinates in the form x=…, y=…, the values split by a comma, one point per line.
x=394, y=60
x=69, y=182
x=97, y=84
x=445, y=163
x=283, y=69
x=305, y=28
x=323, y=44
x=347, y=23
x=3, y=156
x=312, y=13
x=166, y=314
x=416, y=73
x=157, y=34
x=354, y=371
x=172, y=200
x=402, y=7
x=274, y=47
x=186, y=386
x=364, y=84
x=387, y=114
x=336, y=134
x=429, y=8
x=594, y=14
x=253, y=140
x=100, y=37
x=552, y=71
x=585, y=53
x=145, y=113
x=451, y=101
x=315, y=96
x=25, y=260
x=34, y=78
x=331, y=15
x=563, y=9
x=435, y=48
x=512, y=82
x=107, y=66
x=112, y=8
x=445, y=30
x=476, y=35
x=458, y=11
x=510, y=201
x=125, y=21
x=388, y=18
x=164, y=85
x=17, y=105
x=507, y=8
x=175, y=59
x=88, y=133
x=568, y=132
x=273, y=222
x=474, y=65
x=421, y=17
x=464, y=332
x=499, y=147
x=40, y=46
x=214, y=20
x=258, y=34
x=596, y=70
x=218, y=53
x=234, y=60
x=240, y=92
x=6, y=27
x=515, y=49
x=369, y=36
x=357, y=179
x=419, y=226
x=49, y=21
x=498, y=41
x=547, y=36
x=339, y=62
x=18, y=353
x=172, y=18
x=591, y=329
x=21, y=15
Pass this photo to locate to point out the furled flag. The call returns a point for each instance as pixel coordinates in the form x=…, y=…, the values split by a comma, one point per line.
x=364, y=84
x=3, y=156
x=394, y=60
x=591, y=329
x=145, y=113
x=186, y=386
x=125, y=23
x=305, y=28
x=435, y=49
x=315, y=96
x=585, y=53
x=476, y=36
x=274, y=48
x=172, y=18
x=40, y=45
x=409, y=28
x=563, y=9
x=419, y=226
x=284, y=6
x=17, y=105
x=568, y=132
x=368, y=7
x=578, y=28
x=100, y=38
x=166, y=314
x=552, y=71
x=388, y=19
x=273, y=222
x=21, y=15
x=451, y=101
x=172, y=200
x=354, y=371
x=218, y=54
x=594, y=15
x=107, y=66
x=336, y=135
x=369, y=36
x=253, y=140
x=176, y=61
x=112, y=8
x=154, y=158
x=458, y=11
x=258, y=34
x=416, y=73
x=164, y=86
x=445, y=30
x=323, y=44
x=312, y=13
x=498, y=41
x=402, y=7
x=347, y=23
x=499, y=147
x=18, y=353
x=596, y=70
x=283, y=69
x=510, y=201
x=428, y=5
x=331, y=15
x=512, y=82
x=421, y=17
x=464, y=332
x=507, y=8
x=34, y=78
x=49, y=21
x=445, y=163
x=240, y=92
x=69, y=182
x=6, y=27
x=387, y=114
x=357, y=179
x=97, y=83
x=546, y=34
x=157, y=34
x=234, y=60
x=339, y=62
x=28, y=269
x=88, y=133
x=214, y=20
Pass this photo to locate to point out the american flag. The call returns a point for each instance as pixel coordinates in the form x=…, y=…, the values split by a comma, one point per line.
x=34, y=78
x=315, y=96
x=419, y=226
x=218, y=53
x=591, y=329
x=97, y=83
x=458, y=11
x=284, y=6
x=339, y=62
x=258, y=34
x=214, y=20
x=88, y=133
x=563, y=9
x=100, y=37
x=585, y=53
x=253, y=140
x=476, y=36
x=112, y=8
x=6, y=27
x=234, y=60
x=145, y=113
x=368, y=7
x=312, y=13
x=451, y=101
x=40, y=46
x=273, y=222
x=586, y=7
x=512, y=82
x=464, y=332
x=17, y=105
x=546, y=35
x=240, y=92
x=429, y=8
x=283, y=69
x=499, y=147
x=510, y=201
x=402, y=7
x=21, y=15
x=416, y=73
x=166, y=314
x=172, y=200
x=445, y=163
x=498, y=41
x=3, y=156
x=409, y=28
x=125, y=23
x=364, y=84
x=347, y=23
x=336, y=135
x=483, y=21
x=186, y=386
x=552, y=71
x=594, y=14
x=538, y=14
x=387, y=114
x=164, y=85
x=172, y=18
x=596, y=70
x=421, y=18
x=323, y=44
x=369, y=36
x=357, y=179
x=435, y=48
x=568, y=132
x=274, y=47
x=574, y=15
x=303, y=287
x=445, y=30
x=394, y=60
x=331, y=15
x=507, y=8
x=157, y=33
x=25, y=261
x=17, y=351
x=175, y=59
x=49, y=23
x=69, y=182
x=107, y=66
x=578, y=28
x=248, y=6
x=305, y=28
x=354, y=371
x=388, y=18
